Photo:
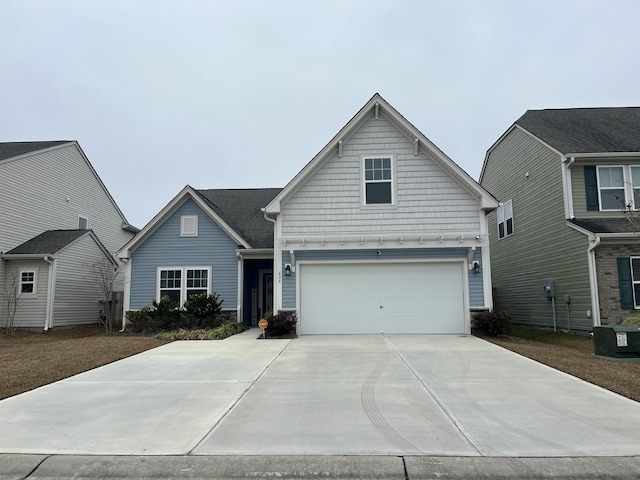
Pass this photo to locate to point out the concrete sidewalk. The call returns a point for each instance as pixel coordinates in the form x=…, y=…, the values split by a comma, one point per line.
x=39, y=467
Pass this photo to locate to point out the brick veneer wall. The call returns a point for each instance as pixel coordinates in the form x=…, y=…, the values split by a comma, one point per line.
x=608, y=286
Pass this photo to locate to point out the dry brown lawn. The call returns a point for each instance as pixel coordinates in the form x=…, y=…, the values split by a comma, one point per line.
x=31, y=359
x=573, y=354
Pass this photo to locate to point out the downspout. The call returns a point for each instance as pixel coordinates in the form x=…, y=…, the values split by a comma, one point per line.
x=239, y=312
x=593, y=280
x=51, y=293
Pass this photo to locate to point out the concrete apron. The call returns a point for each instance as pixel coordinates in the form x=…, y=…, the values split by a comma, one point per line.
x=452, y=396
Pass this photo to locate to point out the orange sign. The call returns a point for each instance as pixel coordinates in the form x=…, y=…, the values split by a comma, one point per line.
x=263, y=324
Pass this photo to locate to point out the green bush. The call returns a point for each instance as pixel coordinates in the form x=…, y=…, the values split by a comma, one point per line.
x=202, y=311
x=140, y=321
x=632, y=321
x=493, y=323
x=165, y=314
x=281, y=324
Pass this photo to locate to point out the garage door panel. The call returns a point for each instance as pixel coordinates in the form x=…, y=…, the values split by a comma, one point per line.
x=390, y=297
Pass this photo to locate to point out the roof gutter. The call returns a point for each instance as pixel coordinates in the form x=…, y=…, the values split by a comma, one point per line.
x=603, y=154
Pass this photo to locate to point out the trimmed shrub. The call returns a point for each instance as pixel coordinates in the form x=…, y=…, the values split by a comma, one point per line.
x=202, y=311
x=632, y=322
x=493, y=323
x=165, y=314
x=281, y=324
x=140, y=321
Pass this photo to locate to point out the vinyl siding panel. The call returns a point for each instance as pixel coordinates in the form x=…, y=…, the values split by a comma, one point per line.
x=165, y=247
x=34, y=192
x=289, y=282
x=31, y=311
x=78, y=292
x=427, y=200
x=542, y=246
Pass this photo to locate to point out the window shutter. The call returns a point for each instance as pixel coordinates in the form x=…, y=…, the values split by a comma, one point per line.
x=626, y=285
x=591, y=187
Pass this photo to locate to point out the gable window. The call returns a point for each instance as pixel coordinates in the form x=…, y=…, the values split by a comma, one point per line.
x=505, y=219
x=189, y=226
x=179, y=283
x=28, y=282
x=378, y=181
x=83, y=223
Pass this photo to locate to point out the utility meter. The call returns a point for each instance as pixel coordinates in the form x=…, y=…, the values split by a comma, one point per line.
x=549, y=289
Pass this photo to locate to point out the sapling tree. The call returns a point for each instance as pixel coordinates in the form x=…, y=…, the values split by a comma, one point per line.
x=105, y=274
x=12, y=301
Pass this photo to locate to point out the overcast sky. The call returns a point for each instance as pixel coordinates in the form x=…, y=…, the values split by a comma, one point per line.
x=235, y=94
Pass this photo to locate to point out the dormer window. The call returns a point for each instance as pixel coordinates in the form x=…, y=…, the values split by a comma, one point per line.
x=378, y=180
x=189, y=226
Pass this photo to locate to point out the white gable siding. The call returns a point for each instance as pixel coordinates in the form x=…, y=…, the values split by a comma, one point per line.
x=77, y=291
x=34, y=192
x=427, y=200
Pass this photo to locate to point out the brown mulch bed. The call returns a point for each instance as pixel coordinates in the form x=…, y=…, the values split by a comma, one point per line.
x=573, y=354
x=31, y=359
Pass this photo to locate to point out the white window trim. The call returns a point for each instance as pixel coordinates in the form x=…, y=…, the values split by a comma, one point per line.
x=183, y=278
x=35, y=283
x=86, y=219
x=501, y=210
x=626, y=176
x=364, y=181
x=183, y=224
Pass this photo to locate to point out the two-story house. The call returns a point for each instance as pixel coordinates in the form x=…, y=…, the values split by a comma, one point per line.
x=380, y=231
x=569, y=219
x=57, y=222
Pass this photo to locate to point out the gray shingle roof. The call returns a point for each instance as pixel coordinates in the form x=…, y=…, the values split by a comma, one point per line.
x=241, y=209
x=609, y=225
x=48, y=243
x=586, y=130
x=14, y=149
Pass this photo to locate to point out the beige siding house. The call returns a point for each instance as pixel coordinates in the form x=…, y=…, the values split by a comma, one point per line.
x=52, y=186
x=566, y=180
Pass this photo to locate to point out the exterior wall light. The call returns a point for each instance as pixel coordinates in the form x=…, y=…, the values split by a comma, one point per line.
x=287, y=269
x=476, y=267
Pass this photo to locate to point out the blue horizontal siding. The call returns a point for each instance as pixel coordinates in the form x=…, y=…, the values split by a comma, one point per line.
x=476, y=287
x=166, y=248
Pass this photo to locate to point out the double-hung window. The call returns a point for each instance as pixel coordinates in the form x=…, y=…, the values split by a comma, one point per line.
x=505, y=219
x=28, y=282
x=619, y=187
x=179, y=283
x=378, y=181
x=635, y=280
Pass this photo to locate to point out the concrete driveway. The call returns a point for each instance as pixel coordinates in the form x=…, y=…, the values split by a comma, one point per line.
x=323, y=395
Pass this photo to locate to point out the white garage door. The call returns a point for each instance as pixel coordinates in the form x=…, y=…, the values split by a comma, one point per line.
x=389, y=297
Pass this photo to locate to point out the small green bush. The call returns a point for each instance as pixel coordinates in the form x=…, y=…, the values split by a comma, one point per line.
x=281, y=324
x=165, y=314
x=493, y=323
x=140, y=321
x=632, y=321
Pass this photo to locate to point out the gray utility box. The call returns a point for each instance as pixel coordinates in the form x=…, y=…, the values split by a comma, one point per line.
x=617, y=342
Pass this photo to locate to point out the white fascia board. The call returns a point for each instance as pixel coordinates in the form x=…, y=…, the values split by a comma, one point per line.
x=604, y=236
x=26, y=256
x=167, y=211
x=603, y=155
x=255, y=253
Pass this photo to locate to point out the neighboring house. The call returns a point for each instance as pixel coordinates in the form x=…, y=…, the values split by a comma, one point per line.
x=205, y=241
x=569, y=182
x=57, y=220
x=380, y=231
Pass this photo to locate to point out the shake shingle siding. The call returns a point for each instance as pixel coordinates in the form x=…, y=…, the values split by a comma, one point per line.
x=427, y=199
x=542, y=246
x=166, y=248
